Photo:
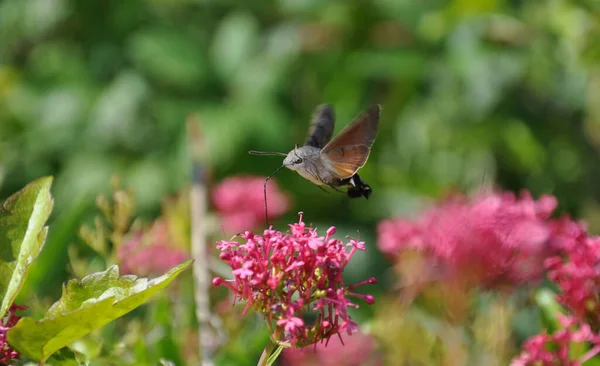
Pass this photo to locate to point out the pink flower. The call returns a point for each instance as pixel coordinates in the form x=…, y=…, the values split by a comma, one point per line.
x=490, y=240
x=356, y=350
x=151, y=253
x=10, y=320
x=396, y=235
x=284, y=276
x=553, y=349
x=240, y=202
x=576, y=270
x=290, y=324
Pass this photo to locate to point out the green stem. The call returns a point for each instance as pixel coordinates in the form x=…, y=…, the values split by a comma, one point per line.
x=266, y=353
x=269, y=326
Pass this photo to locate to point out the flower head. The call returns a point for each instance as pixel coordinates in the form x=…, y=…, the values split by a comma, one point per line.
x=554, y=349
x=282, y=275
x=9, y=321
x=490, y=240
x=240, y=202
x=151, y=253
x=576, y=270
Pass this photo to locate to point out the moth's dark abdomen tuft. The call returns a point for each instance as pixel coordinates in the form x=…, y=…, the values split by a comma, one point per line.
x=359, y=188
x=355, y=192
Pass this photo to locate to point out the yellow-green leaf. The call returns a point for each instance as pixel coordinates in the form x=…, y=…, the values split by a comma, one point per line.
x=85, y=305
x=22, y=234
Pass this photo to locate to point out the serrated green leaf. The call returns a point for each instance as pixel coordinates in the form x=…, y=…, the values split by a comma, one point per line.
x=22, y=234
x=85, y=305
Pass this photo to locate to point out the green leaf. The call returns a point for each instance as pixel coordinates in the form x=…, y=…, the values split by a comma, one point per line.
x=594, y=361
x=234, y=42
x=22, y=234
x=85, y=305
x=271, y=360
x=66, y=357
x=169, y=56
x=546, y=301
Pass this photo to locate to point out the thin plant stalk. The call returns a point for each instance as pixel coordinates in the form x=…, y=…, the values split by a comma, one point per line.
x=199, y=246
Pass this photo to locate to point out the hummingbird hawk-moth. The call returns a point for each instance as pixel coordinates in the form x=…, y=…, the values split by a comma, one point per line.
x=334, y=162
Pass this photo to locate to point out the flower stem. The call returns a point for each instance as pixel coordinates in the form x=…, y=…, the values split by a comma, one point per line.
x=270, y=347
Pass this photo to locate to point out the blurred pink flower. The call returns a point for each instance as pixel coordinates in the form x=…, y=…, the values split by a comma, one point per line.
x=150, y=253
x=10, y=320
x=554, y=349
x=356, y=350
x=490, y=240
x=576, y=270
x=240, y=202
x=283, y=275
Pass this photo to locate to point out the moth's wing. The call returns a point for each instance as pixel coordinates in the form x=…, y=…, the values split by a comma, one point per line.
x=362, y=131
x=345, y=161
x=321, y=126
x=350, y=149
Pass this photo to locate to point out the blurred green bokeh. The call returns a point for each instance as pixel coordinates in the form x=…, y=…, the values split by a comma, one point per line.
x=473, y=91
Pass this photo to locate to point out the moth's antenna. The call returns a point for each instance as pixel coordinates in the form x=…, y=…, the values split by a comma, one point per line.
x=265, y=193
x=254, y=152
x=296, y=148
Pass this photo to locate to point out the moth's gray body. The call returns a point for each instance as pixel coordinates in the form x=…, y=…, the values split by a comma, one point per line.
x=307, y=161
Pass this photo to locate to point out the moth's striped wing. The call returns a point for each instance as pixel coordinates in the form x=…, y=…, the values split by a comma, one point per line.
x=350, y=149
x=321, y=126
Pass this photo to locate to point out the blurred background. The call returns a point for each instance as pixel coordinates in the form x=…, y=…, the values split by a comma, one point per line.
x=473, y=92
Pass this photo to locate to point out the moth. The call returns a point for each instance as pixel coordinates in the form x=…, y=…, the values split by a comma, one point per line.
x=334, y=162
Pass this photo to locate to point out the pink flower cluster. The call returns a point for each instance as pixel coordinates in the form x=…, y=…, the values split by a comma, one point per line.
x=555, y=349
x=240, y=202
x=490, y=240
x=576, y=271
x=10, y=320
x=150, y=253
x=356, y=350
x=281, y=275
x=503, y=239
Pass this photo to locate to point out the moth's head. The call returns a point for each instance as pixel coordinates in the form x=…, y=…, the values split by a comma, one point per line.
x=294, y=159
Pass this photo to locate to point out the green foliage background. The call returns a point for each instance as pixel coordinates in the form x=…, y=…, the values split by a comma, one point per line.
x=472, y=91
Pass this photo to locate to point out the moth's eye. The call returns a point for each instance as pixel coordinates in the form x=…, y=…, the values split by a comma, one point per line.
x=299, y=161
